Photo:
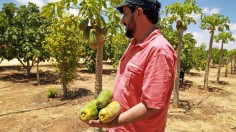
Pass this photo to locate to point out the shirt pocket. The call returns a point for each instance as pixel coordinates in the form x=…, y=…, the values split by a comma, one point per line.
x=133, y=77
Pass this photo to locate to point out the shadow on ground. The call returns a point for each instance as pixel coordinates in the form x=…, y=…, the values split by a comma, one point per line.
x=46, y=77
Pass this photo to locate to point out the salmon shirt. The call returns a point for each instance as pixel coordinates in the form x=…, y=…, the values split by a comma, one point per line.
x=146, y=74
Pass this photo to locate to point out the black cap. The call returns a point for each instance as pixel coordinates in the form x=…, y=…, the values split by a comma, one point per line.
x=152, y=4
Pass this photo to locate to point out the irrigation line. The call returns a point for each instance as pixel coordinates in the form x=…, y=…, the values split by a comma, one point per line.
x=23, y=111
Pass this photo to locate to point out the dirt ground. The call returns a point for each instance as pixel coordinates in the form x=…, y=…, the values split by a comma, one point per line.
x=25, y=107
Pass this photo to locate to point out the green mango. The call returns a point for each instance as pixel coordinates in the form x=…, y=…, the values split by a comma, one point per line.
x=89, y=111
x=104, y=97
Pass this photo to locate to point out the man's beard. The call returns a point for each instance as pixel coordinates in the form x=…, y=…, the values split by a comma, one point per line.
x=130, y=30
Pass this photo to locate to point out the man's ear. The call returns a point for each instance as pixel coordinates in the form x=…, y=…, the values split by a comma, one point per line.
x=139, y=11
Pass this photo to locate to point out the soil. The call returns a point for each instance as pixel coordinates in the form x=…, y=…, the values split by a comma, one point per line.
x=24, y=105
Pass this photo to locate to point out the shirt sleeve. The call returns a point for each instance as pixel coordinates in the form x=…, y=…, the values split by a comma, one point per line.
x=158, y=80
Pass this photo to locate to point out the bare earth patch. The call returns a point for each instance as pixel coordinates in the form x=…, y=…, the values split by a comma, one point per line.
x=25, y=107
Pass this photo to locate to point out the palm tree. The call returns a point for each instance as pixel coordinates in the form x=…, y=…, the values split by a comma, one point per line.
x=211, y=23
x=224, y=37
x=181, y=14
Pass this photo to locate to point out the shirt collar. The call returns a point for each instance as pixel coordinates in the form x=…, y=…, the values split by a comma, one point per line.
x=147, y=40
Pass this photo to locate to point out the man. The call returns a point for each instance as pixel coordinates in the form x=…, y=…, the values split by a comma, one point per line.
x=145, y=76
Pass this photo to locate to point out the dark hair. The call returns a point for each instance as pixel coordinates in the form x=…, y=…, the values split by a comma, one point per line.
x=152, y=14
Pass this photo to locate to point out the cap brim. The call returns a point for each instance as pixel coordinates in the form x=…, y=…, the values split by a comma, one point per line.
x=120, y=6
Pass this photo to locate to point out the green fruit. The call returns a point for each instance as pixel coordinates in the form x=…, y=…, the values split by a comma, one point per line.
x=83, y=24
x=93, y=39
x=184, y=25
x=86, y=32
x=104, y=97
x=110, y=112
x=178, y=24
x=89, y=111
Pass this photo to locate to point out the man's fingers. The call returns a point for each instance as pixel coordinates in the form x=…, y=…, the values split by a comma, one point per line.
x=91, y=122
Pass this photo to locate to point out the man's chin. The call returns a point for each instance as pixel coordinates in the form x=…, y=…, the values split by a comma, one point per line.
x=128, y=34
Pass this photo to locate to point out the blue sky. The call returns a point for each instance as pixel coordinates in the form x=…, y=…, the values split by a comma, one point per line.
x=226, y=8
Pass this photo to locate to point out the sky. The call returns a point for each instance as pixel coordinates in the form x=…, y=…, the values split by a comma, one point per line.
x=209, y=7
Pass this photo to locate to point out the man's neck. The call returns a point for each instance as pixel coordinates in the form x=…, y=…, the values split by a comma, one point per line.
x=144, y=33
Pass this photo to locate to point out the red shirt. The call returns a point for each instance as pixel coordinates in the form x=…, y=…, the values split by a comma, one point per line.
x=146, y=74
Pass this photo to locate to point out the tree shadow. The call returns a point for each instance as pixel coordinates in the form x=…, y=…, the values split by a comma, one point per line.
x=211, y=89
x=224, y=83
x=194, y=74
x=186, y=85
x=76, y=93
x=108, y=71
x=221, y=82
x=46, y=77
x=184, y=104
x=104, y=71
x=5, y=68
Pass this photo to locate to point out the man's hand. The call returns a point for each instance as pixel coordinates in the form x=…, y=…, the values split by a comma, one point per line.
x=136, y=113
x=98, y=123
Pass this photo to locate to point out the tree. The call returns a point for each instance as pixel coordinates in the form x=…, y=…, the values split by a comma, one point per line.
x=224, y=37
x=232, y=55
x=211, y=23
x=181, y=14
x=93, y=11
x=6, y=21
x=63, y=44
x=22, y=34
x=215, y=55
x=199, y=56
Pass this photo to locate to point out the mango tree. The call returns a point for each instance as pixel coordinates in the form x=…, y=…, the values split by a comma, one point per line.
x=215, y=55
x=187, y=58
x=211, y=23
x=181, y=14
x=225, y=37
x=63, y=44
x=232, y=55
x=199, y=56
x=22, y=34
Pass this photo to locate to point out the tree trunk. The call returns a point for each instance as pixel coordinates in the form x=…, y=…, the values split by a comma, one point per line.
x=231, y=66
x=28, y=69
x=64, y=82
x=38, y=72
x=226, y=68
x=205, y=86
x=176, y=86
x=98, y=74
x=221, y=56
x=234, y=63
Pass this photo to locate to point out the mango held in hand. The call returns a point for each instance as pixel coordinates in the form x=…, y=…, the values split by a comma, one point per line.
x=89, y=111
x=104, y=97
x=110, y=112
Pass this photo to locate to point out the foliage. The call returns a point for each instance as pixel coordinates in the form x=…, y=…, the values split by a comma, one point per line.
x=187, y=58
x=22, y=34
x=52, y=92
x=215, y=55
x=200, y=56
x=63, y=44
x=95, y=11
x=89, y=56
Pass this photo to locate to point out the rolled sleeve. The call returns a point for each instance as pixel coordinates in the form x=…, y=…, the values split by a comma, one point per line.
x=157, y=81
